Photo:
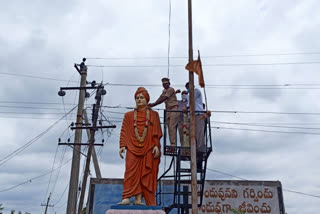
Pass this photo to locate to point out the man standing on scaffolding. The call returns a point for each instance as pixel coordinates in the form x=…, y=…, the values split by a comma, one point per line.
x=199, y=121
x=169, y=97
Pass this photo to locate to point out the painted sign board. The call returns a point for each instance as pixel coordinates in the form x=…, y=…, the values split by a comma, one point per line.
x=220, y=196
x=245, y=196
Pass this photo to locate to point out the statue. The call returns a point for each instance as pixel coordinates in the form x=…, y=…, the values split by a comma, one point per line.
x=140, y=138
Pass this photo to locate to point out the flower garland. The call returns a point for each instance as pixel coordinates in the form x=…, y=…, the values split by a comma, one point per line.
x=141, y=139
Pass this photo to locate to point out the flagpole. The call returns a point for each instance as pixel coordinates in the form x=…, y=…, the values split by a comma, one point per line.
x=194, y=198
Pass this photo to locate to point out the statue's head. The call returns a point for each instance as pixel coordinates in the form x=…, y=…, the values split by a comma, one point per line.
x=142, y=97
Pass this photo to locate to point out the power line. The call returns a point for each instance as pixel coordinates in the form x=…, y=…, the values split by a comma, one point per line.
x=212, y=56
x=62, y=194
x=169, y=38
x=36, y=118
x=261, y=125
x=266, y=112
x=54, y=161
x=205, y=65
x=292, y=191
x=120, y=107
x=31, y=107
x=36, y=77
x=230, y=111
x=29, y=143
x=31, y=179
x=232, y=86
x=10, y=112
x=301, y=193
x=268, y=131
x=41, y=103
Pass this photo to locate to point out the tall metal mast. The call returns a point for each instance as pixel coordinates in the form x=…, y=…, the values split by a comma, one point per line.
x=194, y=198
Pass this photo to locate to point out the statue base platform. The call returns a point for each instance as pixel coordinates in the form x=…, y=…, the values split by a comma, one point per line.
x=135, y=209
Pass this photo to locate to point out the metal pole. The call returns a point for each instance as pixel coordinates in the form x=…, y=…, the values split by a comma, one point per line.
x=194, y=198
x=94, y=154
x=95, y=112
x=75, y=166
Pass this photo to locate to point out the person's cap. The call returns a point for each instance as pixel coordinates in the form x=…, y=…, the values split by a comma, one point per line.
x=165, y=80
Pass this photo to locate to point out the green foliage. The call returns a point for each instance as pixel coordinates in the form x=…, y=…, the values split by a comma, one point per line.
x=19, y=212
x=84, y=210
x=1, y=208
x=12, y=211
x=236, y=211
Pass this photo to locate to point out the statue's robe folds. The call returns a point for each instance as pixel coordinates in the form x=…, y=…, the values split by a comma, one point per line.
x=141, y=167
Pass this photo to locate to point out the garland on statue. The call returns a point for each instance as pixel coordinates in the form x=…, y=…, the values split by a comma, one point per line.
x=141, y=139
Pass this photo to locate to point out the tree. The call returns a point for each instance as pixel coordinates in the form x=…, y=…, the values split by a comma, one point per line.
x=84, y=210
x=237, y=211
x=1, y=208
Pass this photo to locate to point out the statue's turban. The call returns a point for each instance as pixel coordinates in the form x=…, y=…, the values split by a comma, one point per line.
x=144, y=92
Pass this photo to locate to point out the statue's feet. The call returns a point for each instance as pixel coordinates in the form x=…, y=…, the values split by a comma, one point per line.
x=139, y=203
x=125, y=201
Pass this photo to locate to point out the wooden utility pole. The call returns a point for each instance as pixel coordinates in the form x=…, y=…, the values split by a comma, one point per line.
x=95, y=112
x=75, y=166
x=193, y=165
x=47, y=205
x=94, y=154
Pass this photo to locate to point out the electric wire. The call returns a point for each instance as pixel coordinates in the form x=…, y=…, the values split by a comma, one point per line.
x=62, y=194
x=216, y=86
x=292, y=191
x=38, y=103
x=29, y=143
x=54, y=161
x=272, y=126
x=267, y=131
x=229, y=111
x=36, y=77
x=245, y=124
x=169, y=38
x=206, y=65
x=212, y=56
x=58, y=173
x=34, y=178
x=31, y=107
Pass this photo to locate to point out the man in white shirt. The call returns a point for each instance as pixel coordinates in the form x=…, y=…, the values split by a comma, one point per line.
x=199, y=122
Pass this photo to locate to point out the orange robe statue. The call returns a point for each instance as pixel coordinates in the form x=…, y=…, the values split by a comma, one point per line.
x=140, y=137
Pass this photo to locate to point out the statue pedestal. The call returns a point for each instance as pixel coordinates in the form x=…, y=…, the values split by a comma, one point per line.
x=135, y=209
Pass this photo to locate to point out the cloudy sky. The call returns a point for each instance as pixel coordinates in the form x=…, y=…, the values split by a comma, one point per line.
x=261, y=58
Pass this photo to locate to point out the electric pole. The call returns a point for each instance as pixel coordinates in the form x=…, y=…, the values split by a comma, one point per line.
x=194, y=197
x=47, y=205
x=94, y=154
x=75, y=166
x=95, y=112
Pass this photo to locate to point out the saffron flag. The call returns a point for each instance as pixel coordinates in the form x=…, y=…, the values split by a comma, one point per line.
x=196, y=67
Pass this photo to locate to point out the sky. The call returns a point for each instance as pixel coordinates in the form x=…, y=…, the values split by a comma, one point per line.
x=260, y=59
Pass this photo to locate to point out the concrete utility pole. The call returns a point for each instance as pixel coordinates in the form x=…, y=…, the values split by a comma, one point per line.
x=74, y=178
x=194, y=197
x=95, y=112
x=94, y=154
x=47, y=205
